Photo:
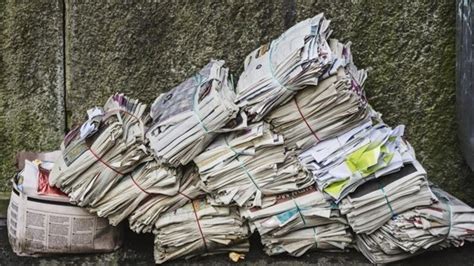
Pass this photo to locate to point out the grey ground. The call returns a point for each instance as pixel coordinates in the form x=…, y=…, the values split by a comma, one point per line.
x=137, y=250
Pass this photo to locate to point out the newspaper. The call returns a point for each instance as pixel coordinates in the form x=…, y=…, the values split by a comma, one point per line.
x=274, y=72
x=375, y=202
x=296, y=222
x=33, y=170
x=447, y=222
x=199, y=228
x=341, y=164
x=150, y=210
x=242, y=167
x=147, y=180
x=42, y=223
x=187, y=118
x=96, y=156
x=329, y=109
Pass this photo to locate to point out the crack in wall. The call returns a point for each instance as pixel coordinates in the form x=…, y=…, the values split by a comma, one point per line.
x=64, y=61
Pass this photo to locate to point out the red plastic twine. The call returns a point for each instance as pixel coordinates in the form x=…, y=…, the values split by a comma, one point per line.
x=105, y=163
x=136, y=184
x=123, y=111
x=197, y=219
x=304, y=119
x=116, y=171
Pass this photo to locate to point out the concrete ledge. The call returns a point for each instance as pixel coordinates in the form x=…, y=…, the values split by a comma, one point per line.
x=4, y=199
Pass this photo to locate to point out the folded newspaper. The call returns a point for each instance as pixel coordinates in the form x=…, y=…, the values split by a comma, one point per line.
x=341, y=164
x=96, y=156
x=199, y=228
x=296, y=222
x=446, y=222
x=241, y=167
x=332, y=107
x=149, y=211
x=147, y=180
x=42, y=222
x=377, y=201
x=187, y=118
x=274, y=72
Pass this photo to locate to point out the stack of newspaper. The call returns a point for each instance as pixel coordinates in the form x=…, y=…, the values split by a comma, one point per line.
x=187, y=118
x=296, y=222
x=446, y=222
x=341, y=164
x=148, y=179
x=244, y=166
x=274, y=73
x=377, y=201
x=314, y=162
x=199, y=228
x=96, y=156
x=145, y=216
x=329, y=109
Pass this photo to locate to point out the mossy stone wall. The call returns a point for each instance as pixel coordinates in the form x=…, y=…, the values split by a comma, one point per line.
x=31, y=80
x=148, y=47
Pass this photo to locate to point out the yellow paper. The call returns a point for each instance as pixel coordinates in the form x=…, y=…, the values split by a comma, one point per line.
x=335, y=188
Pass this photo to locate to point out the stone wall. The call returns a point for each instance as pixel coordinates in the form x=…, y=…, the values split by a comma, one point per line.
x=143, y=49
x=32, y=107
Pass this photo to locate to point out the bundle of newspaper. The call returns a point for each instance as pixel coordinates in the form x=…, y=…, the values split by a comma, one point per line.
x=199, y=228
x=375, y=202
x=296, y=222
x=146, y=180
x=446, y=222
x=241, y=166
x=341, y=164
x=186, y=118
x=329, y=109
x=145, y=216
x=274, y=73
x=96, y=156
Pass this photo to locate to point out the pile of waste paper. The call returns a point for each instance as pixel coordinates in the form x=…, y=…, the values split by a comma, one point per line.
x=292, y=151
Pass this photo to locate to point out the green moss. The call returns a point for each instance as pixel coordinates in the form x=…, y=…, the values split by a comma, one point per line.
x=143, y=49
x=31, y=105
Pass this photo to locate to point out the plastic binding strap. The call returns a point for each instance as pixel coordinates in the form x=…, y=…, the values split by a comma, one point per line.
x=304, y=222
x=104, y=162
x=197, y=219
x=305, y=121
x=118, y=172
x=388, y=202
x=446, y=201
x=199, y=81
x=120, y=110
x=242, y=165
x=110, y=167
x=272, y=70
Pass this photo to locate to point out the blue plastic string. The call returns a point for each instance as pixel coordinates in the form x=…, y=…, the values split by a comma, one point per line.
x=199, y=82
x=272, y=70
x=242, y=165
x=304, y=222
x=388, y=202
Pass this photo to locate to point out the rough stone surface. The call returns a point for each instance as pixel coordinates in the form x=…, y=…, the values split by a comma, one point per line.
x=4, y=200
x=144, y=49
x=31, y=90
